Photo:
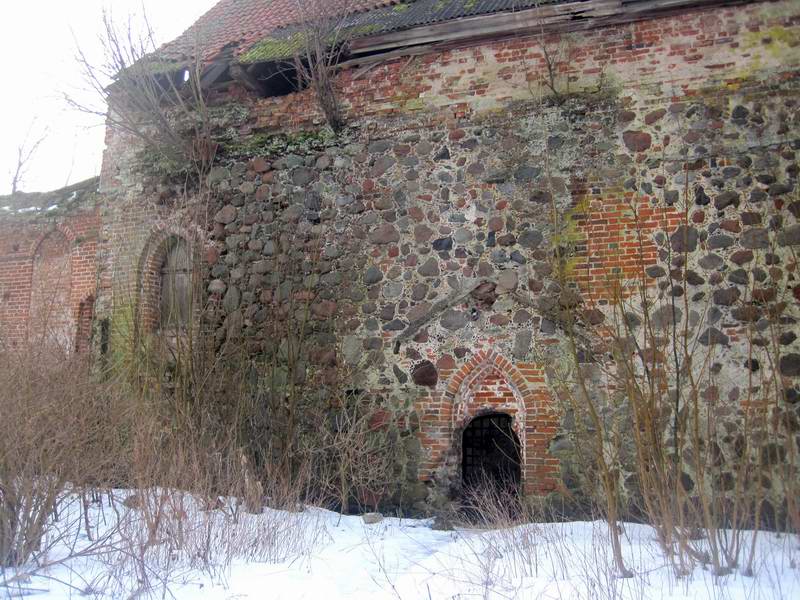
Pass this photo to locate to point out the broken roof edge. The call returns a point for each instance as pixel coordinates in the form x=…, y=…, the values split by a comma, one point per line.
x=422, y=26
x=284, y=43
x=36, y=204
x=370, y=32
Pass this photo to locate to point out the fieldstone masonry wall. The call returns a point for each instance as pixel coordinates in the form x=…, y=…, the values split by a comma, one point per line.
x=425, y=237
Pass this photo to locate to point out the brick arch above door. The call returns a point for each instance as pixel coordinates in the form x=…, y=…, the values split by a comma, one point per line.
x=490, y=382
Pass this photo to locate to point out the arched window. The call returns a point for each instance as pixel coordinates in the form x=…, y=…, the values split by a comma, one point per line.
x=175, y=302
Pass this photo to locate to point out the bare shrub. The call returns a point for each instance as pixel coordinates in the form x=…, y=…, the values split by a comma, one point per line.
x=510, y=527
x=596, y=425
x=508, y=546
x=324, y=32
x=354, y=454
x=53, y=438
x=166, y=428
x=196, y=502
x=168, y=535
x=693, y=470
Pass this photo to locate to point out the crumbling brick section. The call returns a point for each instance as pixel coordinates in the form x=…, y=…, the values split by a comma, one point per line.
x=490, y=383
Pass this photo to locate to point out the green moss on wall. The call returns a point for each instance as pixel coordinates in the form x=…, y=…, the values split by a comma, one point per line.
x=156, y=164
x=269, y=144
x=776, y=41
x=568, y=235
x=122, y=337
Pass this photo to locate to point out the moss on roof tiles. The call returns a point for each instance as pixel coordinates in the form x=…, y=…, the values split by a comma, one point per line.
x=282, y=45
x=275, y=48
x=357, y=31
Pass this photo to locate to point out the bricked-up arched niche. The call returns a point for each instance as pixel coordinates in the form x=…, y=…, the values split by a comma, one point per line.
x=491, y=454
x=167, y=285
x=51, y=323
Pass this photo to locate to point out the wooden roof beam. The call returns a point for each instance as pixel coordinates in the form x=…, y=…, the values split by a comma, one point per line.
x=580, y=15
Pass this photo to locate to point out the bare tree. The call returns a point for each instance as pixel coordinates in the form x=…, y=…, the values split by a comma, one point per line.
x=157, y=100
x=661, y=369
x=25, y=154
x=324, y=35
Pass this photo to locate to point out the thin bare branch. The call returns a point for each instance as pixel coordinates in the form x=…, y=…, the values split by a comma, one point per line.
x=26, y=152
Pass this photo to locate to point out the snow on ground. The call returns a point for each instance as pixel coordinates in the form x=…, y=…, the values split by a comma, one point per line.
x=316, y=554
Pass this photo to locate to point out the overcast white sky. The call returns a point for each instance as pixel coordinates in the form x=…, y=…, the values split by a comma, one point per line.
x=37, y=54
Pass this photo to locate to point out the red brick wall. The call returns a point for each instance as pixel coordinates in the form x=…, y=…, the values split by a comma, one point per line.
x=51, y=323
x=43, y=259
x=615, y=242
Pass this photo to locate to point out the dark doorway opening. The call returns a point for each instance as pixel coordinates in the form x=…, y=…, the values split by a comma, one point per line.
x=491, y=454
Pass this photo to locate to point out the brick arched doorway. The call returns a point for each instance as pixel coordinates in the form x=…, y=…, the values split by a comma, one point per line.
x=491, y=454
x=488, y=383
x=168, y=294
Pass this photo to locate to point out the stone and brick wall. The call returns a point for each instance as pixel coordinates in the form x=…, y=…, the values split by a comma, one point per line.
x=425, y=237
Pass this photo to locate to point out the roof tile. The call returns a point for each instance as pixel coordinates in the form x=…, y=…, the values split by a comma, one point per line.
x=239, y=24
